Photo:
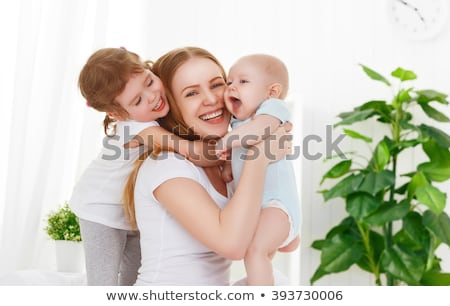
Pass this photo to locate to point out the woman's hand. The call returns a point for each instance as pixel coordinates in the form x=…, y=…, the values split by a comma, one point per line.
x=273, y=147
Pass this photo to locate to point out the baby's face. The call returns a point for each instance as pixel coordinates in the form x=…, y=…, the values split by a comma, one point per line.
x=247, y=88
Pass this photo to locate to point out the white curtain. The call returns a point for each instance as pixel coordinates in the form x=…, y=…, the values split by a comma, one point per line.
x=49, y=135
x=44, y=43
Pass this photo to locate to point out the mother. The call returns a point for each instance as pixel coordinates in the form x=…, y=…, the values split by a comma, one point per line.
x=190, y=231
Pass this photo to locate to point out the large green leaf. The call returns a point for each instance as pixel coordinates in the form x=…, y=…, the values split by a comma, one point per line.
x=403, y=74
x=377, y=245
x=408, y=143
x=318, y=244
x=434, y=113
x=339, y=253
x=380, y=107
x=377, y=105
x=431, y=197
x=317, y=275
x=388, y=213
x=434, y=278
x=338, y=170
x=438, y=169
x=428, y=95
x=436, y=153
x=402, y=238
x=381, y=156
x=419, y=179
x=348, y=185
x=404, y=265
x=441, y=138
x=413, y=233
x=435, y=172
x=347, y=225
x=360, y=204
x=357, y=135
x=375, y=75
x=375, y=182
x=356, y=116
x=439, y=225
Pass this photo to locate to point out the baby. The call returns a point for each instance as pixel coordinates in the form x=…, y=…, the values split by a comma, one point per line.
x=257, y=85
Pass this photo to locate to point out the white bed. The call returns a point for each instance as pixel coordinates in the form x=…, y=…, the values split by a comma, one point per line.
x=42, y=278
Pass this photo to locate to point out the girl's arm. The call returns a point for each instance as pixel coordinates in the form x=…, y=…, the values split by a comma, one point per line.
x=200, y=153
x=226, y=231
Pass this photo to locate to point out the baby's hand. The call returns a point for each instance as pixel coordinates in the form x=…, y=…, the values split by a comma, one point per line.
x=223, y=155
x=221, y=150
x=227, y=174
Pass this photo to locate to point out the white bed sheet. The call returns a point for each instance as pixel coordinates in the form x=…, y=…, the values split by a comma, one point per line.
x=42, y=278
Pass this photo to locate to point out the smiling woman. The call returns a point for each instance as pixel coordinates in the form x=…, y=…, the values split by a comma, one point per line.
x=188, y=237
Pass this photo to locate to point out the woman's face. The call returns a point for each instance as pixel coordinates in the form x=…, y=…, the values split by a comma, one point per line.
x=198, y=88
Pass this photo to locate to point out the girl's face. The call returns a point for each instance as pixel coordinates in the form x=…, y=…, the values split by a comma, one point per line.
x=143, y=98
x=247, y=89
x=198, y=88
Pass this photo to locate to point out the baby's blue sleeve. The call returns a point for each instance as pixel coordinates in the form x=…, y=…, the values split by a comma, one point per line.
x=276, y=108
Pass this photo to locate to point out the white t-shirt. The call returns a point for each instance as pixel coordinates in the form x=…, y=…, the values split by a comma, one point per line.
x=97, y=196
x=170, y=255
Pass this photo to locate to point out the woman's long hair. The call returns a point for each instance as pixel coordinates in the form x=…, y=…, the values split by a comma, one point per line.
x=165, y=68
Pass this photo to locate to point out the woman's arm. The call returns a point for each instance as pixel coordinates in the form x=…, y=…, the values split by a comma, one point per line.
x=227, y=231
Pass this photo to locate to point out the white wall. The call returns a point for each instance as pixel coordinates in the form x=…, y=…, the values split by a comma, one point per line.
x=332, y=37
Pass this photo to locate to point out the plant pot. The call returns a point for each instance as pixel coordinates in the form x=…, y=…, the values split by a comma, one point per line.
x=69, y=256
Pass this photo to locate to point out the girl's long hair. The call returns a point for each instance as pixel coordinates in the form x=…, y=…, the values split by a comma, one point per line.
x=165, y=68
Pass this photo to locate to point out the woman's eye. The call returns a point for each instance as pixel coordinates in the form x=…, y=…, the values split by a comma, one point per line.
x=229, y=83
x=138, y=101
x=220, y=84
x=190, y=94
x=150, y=83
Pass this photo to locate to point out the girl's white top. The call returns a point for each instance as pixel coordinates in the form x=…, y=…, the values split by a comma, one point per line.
x=97, y=196
x=170, y=255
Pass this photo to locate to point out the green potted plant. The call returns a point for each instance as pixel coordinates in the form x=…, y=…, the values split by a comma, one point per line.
x=395, y=220
x=64, y=228
x=62, y=224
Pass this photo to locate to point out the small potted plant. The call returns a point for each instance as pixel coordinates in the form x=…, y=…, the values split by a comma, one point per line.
x=63, y=227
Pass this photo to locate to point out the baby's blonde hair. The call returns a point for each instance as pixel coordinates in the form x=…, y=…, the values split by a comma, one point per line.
x=273, y=67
